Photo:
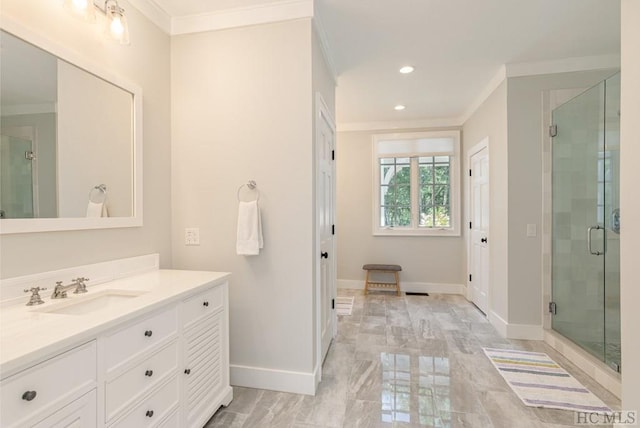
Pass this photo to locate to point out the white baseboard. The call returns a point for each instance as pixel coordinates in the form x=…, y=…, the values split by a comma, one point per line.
x=515, y=331
x=412, y=287
x=274, y=380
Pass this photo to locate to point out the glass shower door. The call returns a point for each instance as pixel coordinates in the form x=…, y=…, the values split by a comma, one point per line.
x=16, y=178
x=585, y=236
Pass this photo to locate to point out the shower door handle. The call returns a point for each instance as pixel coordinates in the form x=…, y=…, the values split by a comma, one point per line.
x=589, y=232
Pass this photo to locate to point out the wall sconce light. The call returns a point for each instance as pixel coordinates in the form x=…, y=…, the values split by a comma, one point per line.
x=83, y=9
x=117, y=27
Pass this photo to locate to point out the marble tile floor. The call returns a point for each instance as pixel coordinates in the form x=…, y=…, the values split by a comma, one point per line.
x=408, y=361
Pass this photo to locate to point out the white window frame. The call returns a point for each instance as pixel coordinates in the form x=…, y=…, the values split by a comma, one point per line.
x=454, y=177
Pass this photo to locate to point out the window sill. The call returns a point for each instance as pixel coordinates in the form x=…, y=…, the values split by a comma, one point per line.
x=417, y=232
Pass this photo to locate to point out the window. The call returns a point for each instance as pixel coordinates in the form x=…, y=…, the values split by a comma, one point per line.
x=416, y=184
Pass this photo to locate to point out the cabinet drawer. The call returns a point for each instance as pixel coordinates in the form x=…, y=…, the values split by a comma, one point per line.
x=206, y=303
x=48, y=385
x=138, y=380
x=129, y=342
x=153, y=409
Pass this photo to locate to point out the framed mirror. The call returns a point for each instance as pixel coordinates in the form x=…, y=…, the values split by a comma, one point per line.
x=71, y=140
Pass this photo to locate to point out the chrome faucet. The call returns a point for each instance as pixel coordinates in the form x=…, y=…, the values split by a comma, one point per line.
x=60, y=291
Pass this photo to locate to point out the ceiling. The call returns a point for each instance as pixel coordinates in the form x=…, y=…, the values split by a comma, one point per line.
x=457, y=47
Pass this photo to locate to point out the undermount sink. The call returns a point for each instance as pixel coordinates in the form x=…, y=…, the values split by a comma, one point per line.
x=88, y=303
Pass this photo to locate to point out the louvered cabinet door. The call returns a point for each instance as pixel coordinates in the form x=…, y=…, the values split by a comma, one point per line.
x=203, y=372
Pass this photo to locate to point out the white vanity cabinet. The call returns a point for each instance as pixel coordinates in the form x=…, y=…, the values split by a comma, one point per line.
x=205, y=355
x=58, y=392
x=159, y=360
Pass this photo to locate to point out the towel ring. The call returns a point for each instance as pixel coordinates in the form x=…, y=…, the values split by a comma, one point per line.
x=252, y=186
x=98, y=194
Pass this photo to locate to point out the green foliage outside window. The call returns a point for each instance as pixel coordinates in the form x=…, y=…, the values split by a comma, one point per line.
x=433, y=194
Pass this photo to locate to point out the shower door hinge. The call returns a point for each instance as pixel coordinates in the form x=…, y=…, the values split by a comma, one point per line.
x=333, y=303
x=615, y=366
x=29, y=155
x=333, y=155
x=333, y=229
x=470, y=277
x=553, y=308
x=469, y=173
x=470, y=224
x=553, y=130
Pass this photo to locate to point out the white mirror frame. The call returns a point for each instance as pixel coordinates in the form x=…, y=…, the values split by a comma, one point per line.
x=30, y=225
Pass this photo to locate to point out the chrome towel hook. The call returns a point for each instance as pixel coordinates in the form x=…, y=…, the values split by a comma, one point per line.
x=251, y=185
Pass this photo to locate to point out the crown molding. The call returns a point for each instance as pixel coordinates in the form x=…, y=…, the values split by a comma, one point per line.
x=155, y=13
x=488, y=89
x=241, y=17
x=564, y=65
x=452, y=122
x=324, y=45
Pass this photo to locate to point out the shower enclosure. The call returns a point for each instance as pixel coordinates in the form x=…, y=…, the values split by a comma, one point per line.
x=586, y=221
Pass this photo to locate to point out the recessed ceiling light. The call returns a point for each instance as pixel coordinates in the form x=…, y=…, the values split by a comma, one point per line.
x=399, y=107
x=406, y=69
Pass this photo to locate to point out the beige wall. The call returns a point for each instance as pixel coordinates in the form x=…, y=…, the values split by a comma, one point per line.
x=490, y=121
x=95, y=126
x=434, y=260
x=241, y=102
x=525, y=136
x=630, y=204
x=146, y=63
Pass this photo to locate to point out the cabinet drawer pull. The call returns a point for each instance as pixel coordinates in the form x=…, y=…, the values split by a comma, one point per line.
x=205, y=303
x=187, y=371
x=148, y=373
x=29, y=395
x=148, y=333
x=149, y=413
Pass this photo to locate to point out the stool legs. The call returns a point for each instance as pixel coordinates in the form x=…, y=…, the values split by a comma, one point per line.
x=366, y=284
x=397, y=282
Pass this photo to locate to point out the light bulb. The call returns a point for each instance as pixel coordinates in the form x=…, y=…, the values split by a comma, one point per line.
x=116, y=26
x=399, y=107
x=80, y=5
x=406, y=69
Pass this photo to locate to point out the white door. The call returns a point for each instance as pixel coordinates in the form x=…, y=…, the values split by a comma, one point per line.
x=479, y=209
x=325, y=142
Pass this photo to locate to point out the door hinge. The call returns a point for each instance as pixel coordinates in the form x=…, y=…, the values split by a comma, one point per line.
x=470, y=278
x=469, y=173
x=553, y=130
x=333, y=229
x=29, y=155
x=333, y=303
x=333, y=155
x=470, y=226
x=553, y=308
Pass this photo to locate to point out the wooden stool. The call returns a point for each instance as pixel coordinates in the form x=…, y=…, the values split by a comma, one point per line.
x=382, y=269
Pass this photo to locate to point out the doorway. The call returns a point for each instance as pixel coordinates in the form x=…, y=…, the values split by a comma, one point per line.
x=478, y=159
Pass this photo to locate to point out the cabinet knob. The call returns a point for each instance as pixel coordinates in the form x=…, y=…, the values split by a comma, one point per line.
x=205, y=303
x=29, y=395
x=148, y=373
x=148, y=333
x=149, y=413
x=187, y=371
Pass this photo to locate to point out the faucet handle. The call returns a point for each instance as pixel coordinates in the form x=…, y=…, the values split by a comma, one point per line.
x=35, y=298
x=81, y=287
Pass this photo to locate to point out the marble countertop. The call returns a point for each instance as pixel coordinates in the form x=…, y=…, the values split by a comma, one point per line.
x=28, y=334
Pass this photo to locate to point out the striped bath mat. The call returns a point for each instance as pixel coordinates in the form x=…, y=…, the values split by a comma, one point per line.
x=541, y=382
x=344, y=305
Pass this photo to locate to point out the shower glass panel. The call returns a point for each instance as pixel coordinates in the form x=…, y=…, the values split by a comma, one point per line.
x=16, y=178
x=585, y=236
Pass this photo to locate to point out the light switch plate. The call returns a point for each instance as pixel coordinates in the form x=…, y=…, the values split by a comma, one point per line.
x=192, y=236
x=532, y=230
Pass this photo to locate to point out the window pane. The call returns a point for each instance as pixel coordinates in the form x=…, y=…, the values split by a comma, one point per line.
x=442, y=174
x=441, y=195
x=426, y=196
x=387, y=161
x=404, y=216
x=426, y=217
x=403, y=196
x=386, y=172
x=426, y=174
x=386, y=216
x=404, y=161
x=384, y=198
x=403, y=175
x=428, y=159
x=442, y=217
x=442, y=159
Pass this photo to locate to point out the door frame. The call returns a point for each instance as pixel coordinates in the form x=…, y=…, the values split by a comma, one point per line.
x=322, y=111
x=484, y=143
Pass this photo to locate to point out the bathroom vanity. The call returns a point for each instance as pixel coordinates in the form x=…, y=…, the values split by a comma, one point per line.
x=143, y=349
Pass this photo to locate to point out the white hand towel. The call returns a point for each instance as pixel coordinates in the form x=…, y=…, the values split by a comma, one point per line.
x=249, y=238
x=94, y=209
x=97, y=210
